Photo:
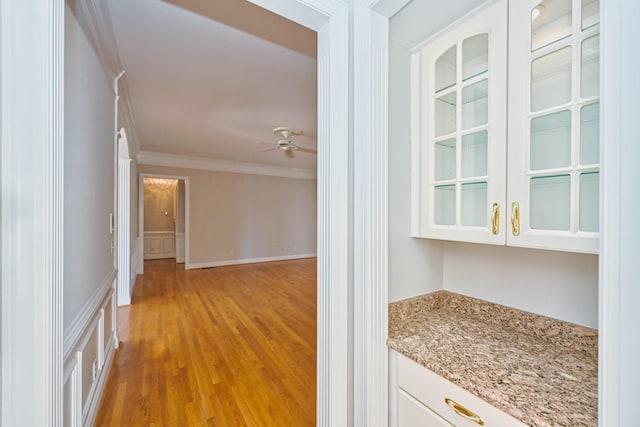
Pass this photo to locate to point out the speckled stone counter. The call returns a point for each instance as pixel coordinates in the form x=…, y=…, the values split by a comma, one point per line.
x=541, y=371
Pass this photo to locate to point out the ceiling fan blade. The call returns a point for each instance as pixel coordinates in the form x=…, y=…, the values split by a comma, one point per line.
x=289, y=153
x=308, y=150
x=267, y=149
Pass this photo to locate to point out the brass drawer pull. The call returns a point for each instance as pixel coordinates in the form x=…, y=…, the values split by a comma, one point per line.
x=495, y=219
x=464, y=412
x=515, y=218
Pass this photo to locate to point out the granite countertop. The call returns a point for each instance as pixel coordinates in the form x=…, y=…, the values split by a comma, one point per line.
x=539, y=370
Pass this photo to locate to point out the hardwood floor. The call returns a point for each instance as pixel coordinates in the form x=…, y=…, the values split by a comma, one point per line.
x=226, y=346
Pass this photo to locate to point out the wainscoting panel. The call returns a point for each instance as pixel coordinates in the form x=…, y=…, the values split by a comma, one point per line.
x=89, y=346
x=159, y=244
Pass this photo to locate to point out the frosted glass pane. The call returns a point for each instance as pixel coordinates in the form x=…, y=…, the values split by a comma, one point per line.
x=445, y=161
x=590, y=134
x=550, y=21
x=445, y=117
x=550, y=145
x=474, y=105
x=474, y=154
x=590, y=13
x=445, y=205
x=551, y=79
x=590, y=77
x=589, y=201
x=446, y=69
x=474, y=204
x=475, y=56
x=550, y=197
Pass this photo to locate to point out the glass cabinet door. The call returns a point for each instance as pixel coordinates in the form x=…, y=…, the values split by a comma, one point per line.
x=554, y=124
x=460, y=85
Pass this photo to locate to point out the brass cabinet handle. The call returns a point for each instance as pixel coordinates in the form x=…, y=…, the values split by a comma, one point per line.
x=515, y=218
x=495, y=218
x=464, y=412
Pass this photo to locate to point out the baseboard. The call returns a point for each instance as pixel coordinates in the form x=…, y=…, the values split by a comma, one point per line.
x=167, y=255
x=192, y=266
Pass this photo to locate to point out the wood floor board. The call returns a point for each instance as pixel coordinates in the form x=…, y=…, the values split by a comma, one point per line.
x=226, y=346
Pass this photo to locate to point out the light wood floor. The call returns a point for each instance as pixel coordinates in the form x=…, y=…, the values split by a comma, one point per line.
x=226, y=346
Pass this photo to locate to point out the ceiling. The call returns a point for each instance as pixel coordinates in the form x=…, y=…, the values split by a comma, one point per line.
x=211, y=79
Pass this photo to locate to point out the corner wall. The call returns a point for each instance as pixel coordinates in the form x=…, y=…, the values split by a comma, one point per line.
x=236, y=218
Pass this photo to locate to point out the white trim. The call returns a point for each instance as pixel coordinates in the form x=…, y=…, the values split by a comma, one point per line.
x=95, y=14
x=246, y=261
x=335, y=280
x=89, y=324
x=219, y=165
x=123, y=217
x=331, y=18
x=619, y=372
x=90, y=409
x=32, y=177
x=72, y=376
x=78, y=327
x=370, y=295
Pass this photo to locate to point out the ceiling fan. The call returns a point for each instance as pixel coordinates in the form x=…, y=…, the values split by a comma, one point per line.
x=286, y=143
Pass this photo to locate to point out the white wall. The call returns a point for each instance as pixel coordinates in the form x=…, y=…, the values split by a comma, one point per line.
x=88, y=171
x=89, y=314
x=415, y=265
x=236, y=217
x=556, y=284
x=561, y=285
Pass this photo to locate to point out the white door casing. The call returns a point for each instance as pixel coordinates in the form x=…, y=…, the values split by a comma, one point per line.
x=123, y=219
x=32, y=153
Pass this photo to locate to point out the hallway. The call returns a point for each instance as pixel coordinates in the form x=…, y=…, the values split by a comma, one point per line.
x=226, y=346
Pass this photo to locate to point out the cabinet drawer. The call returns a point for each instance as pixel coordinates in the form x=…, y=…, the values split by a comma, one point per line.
x=412, y=413
x=432, y=390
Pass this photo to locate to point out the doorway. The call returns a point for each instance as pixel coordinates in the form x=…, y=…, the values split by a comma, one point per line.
x=163, y=209
x=163, y=218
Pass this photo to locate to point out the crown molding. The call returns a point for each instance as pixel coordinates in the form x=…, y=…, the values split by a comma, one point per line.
x=95, y=19
x=219, y=165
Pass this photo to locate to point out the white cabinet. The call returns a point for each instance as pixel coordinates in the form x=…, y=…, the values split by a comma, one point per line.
x=505, y=141
x=553, y=151
x=459, y=117
x=412, y=413
x=425, y=399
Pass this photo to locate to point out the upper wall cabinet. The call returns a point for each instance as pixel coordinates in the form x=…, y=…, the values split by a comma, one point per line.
x=553, y=133
x=505, y=144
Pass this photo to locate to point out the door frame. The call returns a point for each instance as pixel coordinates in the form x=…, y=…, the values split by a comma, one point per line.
x=140, y=242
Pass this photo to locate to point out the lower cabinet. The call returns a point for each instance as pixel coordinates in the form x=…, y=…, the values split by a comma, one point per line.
x=425, y=399
x=412, y=413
